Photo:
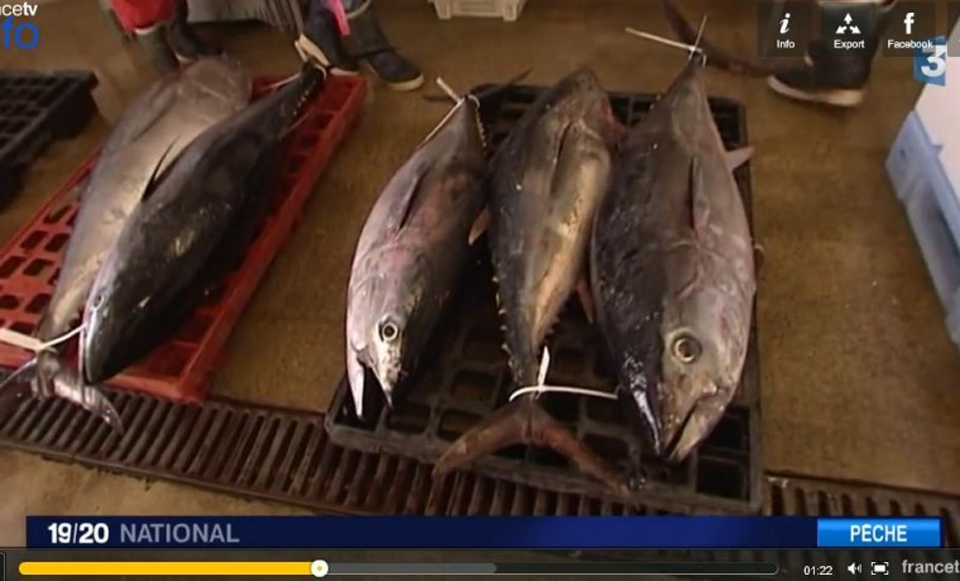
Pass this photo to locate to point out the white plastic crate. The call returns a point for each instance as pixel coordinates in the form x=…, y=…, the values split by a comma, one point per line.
x=937, y=106
x=926, y=176
x=509, y=10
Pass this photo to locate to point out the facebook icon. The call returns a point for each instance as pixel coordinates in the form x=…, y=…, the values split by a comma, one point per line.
x=908, y=21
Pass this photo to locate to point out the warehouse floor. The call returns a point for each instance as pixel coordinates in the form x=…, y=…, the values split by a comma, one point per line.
x=859, y=377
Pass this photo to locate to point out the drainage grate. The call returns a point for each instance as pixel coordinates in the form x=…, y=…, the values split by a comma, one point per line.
x=467, y=378
x=35, y=109
x=284, y=455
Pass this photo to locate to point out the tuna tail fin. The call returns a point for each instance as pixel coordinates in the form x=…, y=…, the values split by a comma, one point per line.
x=16, y=386
x=524, y=421
x=44, y=376
x=715, y=56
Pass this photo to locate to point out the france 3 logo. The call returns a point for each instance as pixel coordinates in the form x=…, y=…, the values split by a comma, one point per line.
x=930, y=62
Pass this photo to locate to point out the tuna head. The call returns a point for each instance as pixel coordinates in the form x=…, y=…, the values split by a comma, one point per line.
x=378, y=336
x=114, y=325
x=704, y=344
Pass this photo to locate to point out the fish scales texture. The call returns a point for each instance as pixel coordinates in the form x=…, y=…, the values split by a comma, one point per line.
x=181, y=239
x=673, y=270
x=150, y=133
x=411, y=252
x=549, y=178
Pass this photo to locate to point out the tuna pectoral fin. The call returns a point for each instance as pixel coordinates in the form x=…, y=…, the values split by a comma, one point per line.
x=523, y=421
x=480, y=226
x=738, y=157
x=586, y=300
x=758, y=257
x=158, y=170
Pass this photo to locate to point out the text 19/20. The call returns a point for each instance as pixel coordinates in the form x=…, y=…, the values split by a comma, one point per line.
x=82, y=533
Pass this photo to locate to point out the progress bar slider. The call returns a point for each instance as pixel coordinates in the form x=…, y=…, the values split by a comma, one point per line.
x=320, y=568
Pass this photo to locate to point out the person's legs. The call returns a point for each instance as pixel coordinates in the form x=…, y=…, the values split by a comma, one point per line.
x=830, y=77
x=372, y=45
x=162, y=32
x=145, y=20
x=320, y=40
x=184, y=41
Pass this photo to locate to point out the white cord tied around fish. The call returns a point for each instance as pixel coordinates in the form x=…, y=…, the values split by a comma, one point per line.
x=692, y=48
x=542, y=388
x=457, y=99
x=30, y=343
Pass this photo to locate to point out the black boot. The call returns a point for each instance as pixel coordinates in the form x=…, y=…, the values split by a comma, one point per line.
x=372, y=45
x=320, y=41
x=184, y=41
x=153, y=41
x=832, y=76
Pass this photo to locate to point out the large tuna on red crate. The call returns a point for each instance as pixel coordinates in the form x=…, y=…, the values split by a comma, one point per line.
x=180, y=368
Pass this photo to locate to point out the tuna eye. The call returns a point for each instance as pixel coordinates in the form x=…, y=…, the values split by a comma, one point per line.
x=687, y=349
x=389, y=331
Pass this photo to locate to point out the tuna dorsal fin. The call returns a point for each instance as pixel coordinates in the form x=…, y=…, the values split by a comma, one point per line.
x=155, y=176
x=738, y=157
x=410, y=197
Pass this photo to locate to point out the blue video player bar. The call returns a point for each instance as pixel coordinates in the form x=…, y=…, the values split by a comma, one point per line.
x=333, y=532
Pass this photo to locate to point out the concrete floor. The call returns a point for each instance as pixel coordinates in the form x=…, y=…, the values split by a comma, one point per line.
x=859, y=378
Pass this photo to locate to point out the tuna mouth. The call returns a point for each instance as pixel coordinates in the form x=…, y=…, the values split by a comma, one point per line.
x=696, y=425
x=672, y=450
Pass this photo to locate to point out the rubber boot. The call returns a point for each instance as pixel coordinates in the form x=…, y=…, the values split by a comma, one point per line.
x=372, y=46
x=153, y=41
x=830, y=76
x=320, y=42
x=183, y=39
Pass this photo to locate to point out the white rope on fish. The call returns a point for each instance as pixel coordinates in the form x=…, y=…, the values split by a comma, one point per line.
x=454, y=96
x=542, y=388
x=662, y=40
x=29, y=343
x=691, y=48
x=456, y=99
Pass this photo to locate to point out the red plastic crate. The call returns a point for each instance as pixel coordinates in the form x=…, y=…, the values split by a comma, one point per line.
x=181, y=368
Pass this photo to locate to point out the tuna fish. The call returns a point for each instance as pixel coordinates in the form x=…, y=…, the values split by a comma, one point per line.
x=673, y=270
x=145, y=140
x=412, y=251
x=185, y=234
x=549, y=178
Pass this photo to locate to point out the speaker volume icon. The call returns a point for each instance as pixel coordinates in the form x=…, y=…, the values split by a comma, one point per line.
x=855, y=568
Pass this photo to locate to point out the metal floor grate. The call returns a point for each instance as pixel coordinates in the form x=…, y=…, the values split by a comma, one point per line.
x=284, y=455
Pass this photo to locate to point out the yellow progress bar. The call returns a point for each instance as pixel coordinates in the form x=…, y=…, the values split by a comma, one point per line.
x=228, y=568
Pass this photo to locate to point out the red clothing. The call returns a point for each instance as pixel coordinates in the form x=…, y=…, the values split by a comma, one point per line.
x=134, y=14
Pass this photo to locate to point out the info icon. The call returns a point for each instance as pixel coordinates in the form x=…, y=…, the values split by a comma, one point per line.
x=784, y=28
x=911, y=26
x=849, y=27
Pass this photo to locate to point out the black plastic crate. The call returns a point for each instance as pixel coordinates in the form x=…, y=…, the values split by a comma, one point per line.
x=464, y=377
x=35, y=109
